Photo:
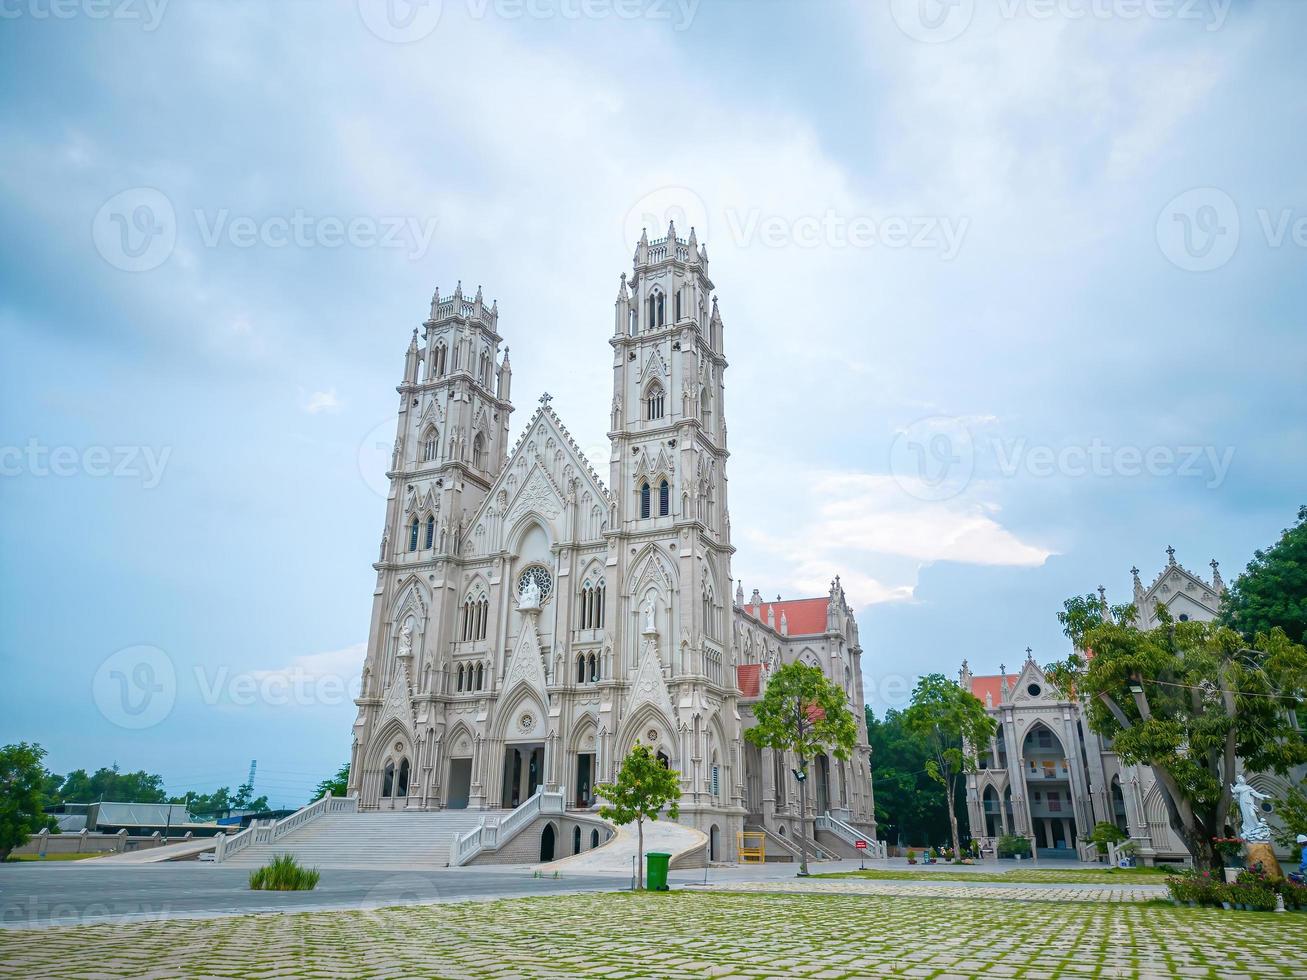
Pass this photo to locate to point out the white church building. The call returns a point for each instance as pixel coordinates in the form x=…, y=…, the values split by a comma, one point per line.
x=1047, y=776
x=531, y=621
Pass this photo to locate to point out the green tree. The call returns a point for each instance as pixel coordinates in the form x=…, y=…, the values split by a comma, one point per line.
x=911, y=807
x=804, y=713
x=1194, y=701
x=1292, y=811
x=1272, y=591
x=947, y=719
x=245, y=799
x=22, y=785
x=215, y=804
x=337, y=785
x=644, y=786
x=113, y=785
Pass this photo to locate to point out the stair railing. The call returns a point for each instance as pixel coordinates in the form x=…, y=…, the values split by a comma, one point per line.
x=267, y=831
x=877, y=850
x=493, y=832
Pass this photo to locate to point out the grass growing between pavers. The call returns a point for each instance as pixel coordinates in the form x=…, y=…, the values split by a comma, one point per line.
x=681, y=934
x=1022, y=876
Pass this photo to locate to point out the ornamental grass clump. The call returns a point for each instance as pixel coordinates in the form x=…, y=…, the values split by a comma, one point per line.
x=284, y=874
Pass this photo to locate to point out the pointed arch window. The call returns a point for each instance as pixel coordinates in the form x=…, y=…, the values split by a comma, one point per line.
x=664, y=499
x=401, y=789
x=479, y=451
x=481, y=677
x=644, y=500
x=709, y=620
x=388, y=781
x=654, y=402
x=592, y=605
x=460, y=678
x=413, y=535
x=430, y=443
x=438, y=361
x=580, y=668
x=677, y=308
x=431, y=531
x=593, y=664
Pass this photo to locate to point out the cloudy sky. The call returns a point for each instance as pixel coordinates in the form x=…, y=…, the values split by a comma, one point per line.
x=1013, y=296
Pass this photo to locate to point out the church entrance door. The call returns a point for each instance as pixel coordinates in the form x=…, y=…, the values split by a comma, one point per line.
x=524, y=771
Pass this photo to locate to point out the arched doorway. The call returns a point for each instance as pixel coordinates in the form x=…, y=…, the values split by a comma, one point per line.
x=576, y=839
x=1049, y=792
x=993, y=815
x=713, y=843
x=547, y=843
x=1118, y=806
x=823, y=784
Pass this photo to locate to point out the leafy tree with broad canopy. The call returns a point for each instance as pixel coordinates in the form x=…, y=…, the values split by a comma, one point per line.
x=337, y=785
x=1194, y=701
x=1272, y=591
x=22, y=793
x=804, y=713
x=911, y=807
x=644, y=786
x=948, y=719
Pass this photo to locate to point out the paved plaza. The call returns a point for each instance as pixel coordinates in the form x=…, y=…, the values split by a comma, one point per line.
x=691, y=932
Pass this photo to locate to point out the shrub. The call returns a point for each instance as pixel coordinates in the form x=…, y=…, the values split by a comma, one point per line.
x=1011, y=845
x=1105, y=833
x=912, y=856
x=284, y=874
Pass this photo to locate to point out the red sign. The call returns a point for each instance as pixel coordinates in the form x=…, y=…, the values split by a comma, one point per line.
x=861, y=845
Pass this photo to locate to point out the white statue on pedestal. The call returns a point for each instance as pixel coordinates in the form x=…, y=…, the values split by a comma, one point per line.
x=650, y=628
x=405, y=639
x=1254, y=828
x=529, y=597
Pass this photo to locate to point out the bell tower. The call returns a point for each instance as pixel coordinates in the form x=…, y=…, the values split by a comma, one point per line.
x=452, y=437
x=670, y=536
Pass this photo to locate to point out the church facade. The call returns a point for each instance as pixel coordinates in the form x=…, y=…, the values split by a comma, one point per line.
x=531, y=621
x=1047, y=776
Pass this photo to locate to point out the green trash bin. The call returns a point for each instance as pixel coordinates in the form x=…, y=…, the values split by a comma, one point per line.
x=656, y=863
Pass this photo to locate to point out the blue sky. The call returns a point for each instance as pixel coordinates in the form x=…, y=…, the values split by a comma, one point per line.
x=1012, y=298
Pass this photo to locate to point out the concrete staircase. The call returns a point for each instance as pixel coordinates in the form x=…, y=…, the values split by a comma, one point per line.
x=402, y=840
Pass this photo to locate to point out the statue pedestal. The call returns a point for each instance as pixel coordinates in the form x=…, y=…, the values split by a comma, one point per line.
x=1264, y=854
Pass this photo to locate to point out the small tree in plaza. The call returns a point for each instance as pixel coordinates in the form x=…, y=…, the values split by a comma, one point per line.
x=1194, y=701
x=644, y=786
x=948, y=718
x=22, y=782
x=804, y=713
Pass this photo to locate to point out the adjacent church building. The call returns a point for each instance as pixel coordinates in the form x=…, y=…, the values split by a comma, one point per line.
x=1047, y=776
x=531, y=621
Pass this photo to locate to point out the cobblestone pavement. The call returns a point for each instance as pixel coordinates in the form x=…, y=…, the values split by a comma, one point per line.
x=684, y=934
x=955, y=889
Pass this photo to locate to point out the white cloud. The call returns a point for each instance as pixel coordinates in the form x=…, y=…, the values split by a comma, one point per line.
x=877, y=537
x=320, y=401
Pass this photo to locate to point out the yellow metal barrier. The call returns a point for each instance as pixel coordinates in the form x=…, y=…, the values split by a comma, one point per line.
x=752, y=846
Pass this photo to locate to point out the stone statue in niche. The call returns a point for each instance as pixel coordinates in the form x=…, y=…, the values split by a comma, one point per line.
x=1245, y=797
x=650, y=609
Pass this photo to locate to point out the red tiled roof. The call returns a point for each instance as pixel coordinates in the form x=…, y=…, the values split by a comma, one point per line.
x=992, y=684
x=802, y=616
x=748, y=678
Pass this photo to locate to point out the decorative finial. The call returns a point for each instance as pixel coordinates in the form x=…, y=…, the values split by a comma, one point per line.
x=1029, y=655
x=1134, y=571
x=1002, y=669
x=1170, y=555
x=545, y=399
